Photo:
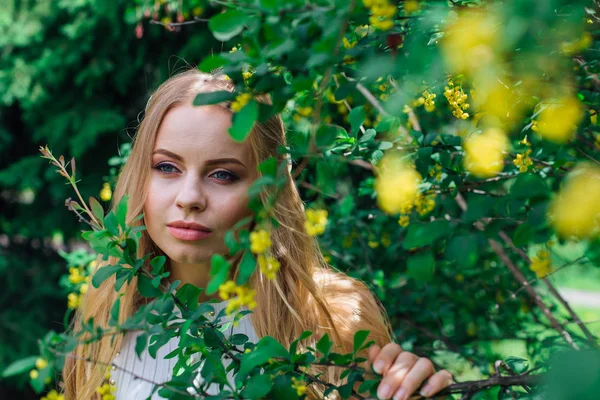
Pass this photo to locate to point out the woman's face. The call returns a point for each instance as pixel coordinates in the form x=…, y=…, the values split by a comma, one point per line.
x=199, y=175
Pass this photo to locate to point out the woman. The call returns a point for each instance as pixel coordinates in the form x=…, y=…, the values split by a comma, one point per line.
x=190, y=179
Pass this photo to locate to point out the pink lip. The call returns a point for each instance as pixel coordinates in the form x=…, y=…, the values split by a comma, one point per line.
x=188, y=234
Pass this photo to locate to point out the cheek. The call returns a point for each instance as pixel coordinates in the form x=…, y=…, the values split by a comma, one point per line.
x=233, y=208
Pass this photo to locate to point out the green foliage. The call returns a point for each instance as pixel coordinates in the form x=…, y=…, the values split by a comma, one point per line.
x=459, y=268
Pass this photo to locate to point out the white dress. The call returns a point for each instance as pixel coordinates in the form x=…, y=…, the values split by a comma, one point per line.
x=160, y=369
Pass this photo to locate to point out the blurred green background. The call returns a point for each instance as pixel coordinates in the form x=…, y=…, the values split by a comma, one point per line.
x=76, y=74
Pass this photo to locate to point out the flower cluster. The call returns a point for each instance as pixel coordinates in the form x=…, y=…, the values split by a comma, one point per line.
x=77, y=278
x=541, y=264
x=382, y=14
x=302, y=112
x=240, y=101
x=260, y=242
x=244, y=296
x=424, y=204
x=457, y=99
x=436, y=172
x=299, y=385
x=523, y=161
x=315, y=222
x=558, y=121
x=106, y=192
x=40, y=364
x=483, y=153
x=396, y=185
x=53, y=395
x=268, y=265
x=428, y=101
x=575, y=210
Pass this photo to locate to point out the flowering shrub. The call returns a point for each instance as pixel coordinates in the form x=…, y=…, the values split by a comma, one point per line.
x=460, y=140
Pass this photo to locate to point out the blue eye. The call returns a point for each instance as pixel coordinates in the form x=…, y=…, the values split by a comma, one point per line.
x=160, y=167
x=224, y=175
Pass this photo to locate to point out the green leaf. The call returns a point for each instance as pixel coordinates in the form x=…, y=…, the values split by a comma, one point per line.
x=282, y=388
x=209, y=98
x=246, y=268
x=114, y=311
x=420, y=235
x=228, y=24
x=157, y=264
x=268, y=167
x=212, y=62
x=20, y=366
x=103, y=274
x=219, y=271
x=97, y=209
x=324, y=345
x=523, y=235
x=121, y=213
x=188, y=295
x=519, y=365
x=367, y=136
x=111, y=223
x=243, y=121
x=146, y=288
x=529, y=185
x=359, y=339
x=140, y=344
x=463, y=249
x=356, y=118
x=266, y=348
x=421, y=266
x=258, y=386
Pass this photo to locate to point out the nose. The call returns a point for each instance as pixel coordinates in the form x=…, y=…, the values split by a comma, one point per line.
x=191, y=196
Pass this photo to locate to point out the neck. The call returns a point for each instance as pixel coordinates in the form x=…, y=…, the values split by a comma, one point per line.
x=194, y=274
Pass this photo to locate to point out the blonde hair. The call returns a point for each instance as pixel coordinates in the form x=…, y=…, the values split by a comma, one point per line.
x=306, y=295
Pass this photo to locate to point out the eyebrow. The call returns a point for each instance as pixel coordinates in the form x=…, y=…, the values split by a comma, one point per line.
x=208, y=162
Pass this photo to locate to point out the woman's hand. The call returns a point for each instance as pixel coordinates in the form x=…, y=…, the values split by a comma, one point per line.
x=403, y=372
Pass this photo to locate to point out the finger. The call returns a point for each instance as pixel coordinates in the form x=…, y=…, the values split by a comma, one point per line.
x=374, y=351
x=437, y=382
x=420, y=371
x=396, y=374
x=386, y=357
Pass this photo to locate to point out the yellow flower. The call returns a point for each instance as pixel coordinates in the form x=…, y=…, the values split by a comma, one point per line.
x=575, y=210
x=299, y=385
x=457, y=99
x=246, y=75
x=396, y=184
x=381, y=24
x=53, y=395
x=106, y=192
x=349, y=45
x=260, y=241
x=315, y=223
x=385, y=240
x=240, y=101
x=83, y=288
x=403, y=221
x=75, y=276
x=304, y=111
x=373, y=244
x=541, y=264
x=411, y=6
x=469, y=43
x=558, y=121
x=268, y=265
x=106, y=391
x=40, y=363
x=483, y=153
x=523, y=161
x=74, y=300
x=244, y=296
x=424, y=204
x=33, y=374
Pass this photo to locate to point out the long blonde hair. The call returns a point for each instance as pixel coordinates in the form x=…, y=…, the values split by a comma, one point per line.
x=306, y=295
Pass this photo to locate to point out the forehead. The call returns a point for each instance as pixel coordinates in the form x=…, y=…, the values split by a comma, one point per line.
x=196, y=132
